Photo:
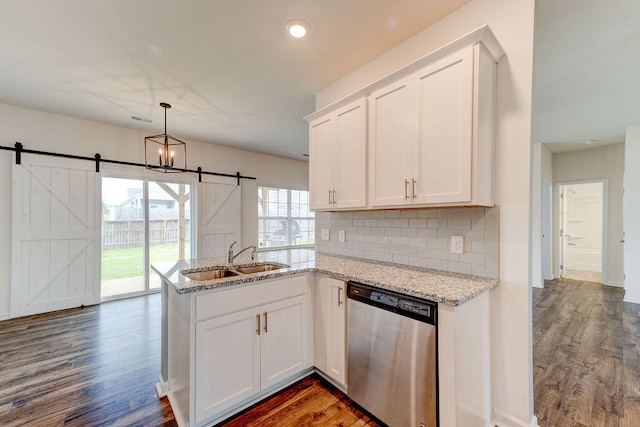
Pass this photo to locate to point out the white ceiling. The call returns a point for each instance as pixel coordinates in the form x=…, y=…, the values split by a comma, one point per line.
x=232, y=74
x=586, y=72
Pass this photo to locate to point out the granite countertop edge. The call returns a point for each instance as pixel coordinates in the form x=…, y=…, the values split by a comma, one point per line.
x=443, y=287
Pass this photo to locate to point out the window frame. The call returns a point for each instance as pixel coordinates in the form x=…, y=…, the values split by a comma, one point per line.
x=287, y=218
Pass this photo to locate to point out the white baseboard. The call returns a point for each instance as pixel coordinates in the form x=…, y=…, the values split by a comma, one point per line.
x=633, y=297
x=4, y=316
x=616, y=284
x=503, y=419
x=162, y=387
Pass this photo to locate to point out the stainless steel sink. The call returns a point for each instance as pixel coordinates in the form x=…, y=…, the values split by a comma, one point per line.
x=260, y=268
x=218, y=273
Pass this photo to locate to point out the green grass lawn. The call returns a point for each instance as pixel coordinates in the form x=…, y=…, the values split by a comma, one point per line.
x=119, y=263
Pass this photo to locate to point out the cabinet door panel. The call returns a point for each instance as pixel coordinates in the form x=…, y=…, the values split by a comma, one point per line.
x=322, y=140
x=445, y=130
x=337, y=350
x=390, y=129
x=284, y=344
x=227, y=362
x=351, y=157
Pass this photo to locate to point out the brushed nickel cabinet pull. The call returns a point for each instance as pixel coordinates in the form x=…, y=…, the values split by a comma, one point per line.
x=406, y=191
x=265, y=322
x=330, y=202
x=334, y=197
x=413, y=188
x=340, y=296
x=258, y=323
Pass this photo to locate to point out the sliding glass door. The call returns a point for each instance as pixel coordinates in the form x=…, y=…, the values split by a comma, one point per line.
x=143, y=222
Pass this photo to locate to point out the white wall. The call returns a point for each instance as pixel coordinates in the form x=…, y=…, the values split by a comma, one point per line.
x=512, y=23
x=542, y=170
x=597, y=163
x=38, y=130
x=631, y=215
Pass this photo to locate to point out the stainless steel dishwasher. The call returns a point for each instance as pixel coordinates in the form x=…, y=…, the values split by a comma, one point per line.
x=392, y=356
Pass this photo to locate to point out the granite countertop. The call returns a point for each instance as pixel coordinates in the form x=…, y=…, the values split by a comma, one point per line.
x=435, y=285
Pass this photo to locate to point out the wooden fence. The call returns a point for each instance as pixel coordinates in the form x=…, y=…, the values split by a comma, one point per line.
x=130, y=233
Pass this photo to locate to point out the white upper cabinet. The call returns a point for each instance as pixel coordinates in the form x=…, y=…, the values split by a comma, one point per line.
x=431, y=135
x=337, y=158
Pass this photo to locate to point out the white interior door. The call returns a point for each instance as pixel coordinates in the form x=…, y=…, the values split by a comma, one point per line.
x=56, y=235
x=219, y=215
x=583, y=230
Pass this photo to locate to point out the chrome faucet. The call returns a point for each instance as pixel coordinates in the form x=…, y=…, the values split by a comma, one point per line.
x=231, y=256
x=253, y=252
x=230, y=253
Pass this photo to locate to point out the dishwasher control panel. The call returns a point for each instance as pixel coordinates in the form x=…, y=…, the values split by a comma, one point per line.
x=417, y=308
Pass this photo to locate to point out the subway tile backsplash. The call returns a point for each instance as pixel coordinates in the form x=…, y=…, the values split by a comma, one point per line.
x=417, y=237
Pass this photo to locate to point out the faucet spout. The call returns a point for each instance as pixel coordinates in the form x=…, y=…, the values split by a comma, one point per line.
x=253, y=253
x=230, y=253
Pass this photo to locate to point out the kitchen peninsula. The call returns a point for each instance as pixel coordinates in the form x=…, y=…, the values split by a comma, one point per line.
x=231, y=341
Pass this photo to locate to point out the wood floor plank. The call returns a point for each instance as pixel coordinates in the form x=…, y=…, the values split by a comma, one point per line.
x=309, y=402
x=586, y=356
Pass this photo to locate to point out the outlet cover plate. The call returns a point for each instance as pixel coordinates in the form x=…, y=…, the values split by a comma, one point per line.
x=324, y=234
x=457, y=244
x=341, y=236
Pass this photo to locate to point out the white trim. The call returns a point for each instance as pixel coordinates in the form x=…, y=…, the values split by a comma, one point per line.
x=5, y=316
x=547, y=184
x=502, y=419
x=482, y=35
x=615, y=284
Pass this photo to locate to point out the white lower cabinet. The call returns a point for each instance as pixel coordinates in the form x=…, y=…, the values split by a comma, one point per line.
x=330, y=327
x=227, y=368
x=245, y=342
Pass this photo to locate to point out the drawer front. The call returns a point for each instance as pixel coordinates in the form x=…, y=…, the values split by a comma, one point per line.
x=224, y=301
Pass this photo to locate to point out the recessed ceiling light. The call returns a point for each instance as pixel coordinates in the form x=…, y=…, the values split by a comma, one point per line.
x=589, y=141
x=297, y=28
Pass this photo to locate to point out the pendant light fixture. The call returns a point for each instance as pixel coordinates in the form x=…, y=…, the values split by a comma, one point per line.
x=172, y=152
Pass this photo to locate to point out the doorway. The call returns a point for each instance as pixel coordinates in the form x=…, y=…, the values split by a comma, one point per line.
x=582, y=230
x=143, y=222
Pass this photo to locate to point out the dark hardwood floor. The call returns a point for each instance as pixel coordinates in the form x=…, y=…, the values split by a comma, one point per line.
x=84, y=367
x=586, y=355
x=310, y=402
x=97, y=366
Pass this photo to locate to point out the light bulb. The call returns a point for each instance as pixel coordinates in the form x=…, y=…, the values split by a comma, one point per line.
x=297, y=28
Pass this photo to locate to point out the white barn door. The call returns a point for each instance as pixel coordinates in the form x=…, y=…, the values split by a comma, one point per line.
x=219, y=215
x=55, y=236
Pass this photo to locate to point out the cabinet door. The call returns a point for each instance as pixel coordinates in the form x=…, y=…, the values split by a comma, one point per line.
x=444, y=146
x=322, y=140
x=391, y=130
x=351, y=157
x=336, y=345
x=321, y=321
x=227, y=365
x=330, y=353
x=284, y=340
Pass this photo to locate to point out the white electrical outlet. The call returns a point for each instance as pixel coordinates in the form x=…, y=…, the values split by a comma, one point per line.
x=457, y=244
x=324, y=234
x=341, y=236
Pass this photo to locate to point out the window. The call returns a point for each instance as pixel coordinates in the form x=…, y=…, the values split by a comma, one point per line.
x=284, y=218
